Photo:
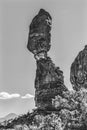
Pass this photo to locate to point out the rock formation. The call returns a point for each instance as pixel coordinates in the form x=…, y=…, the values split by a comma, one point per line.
x=50, y=91
x=78, y=74
x=57, y=107
x=39, y=34
x=49, y=80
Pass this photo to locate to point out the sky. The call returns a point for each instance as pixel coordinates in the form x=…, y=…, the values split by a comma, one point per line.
x=17, y=64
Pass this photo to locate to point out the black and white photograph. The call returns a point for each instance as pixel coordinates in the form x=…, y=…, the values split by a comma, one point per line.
x=43, y=64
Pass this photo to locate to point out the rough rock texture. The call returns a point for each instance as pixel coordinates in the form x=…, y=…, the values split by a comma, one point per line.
x=78, y=74
x=39, y=34
x=57, y=107
x=49, y=80
x=72, y=109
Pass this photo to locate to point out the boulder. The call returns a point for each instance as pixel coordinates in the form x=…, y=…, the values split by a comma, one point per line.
x=39, y=34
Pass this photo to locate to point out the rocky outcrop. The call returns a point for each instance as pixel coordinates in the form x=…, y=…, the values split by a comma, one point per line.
x=72, y=109
x=78, y=74
x=49, y=80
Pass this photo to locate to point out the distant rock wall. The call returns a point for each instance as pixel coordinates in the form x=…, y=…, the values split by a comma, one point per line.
x=78, y=74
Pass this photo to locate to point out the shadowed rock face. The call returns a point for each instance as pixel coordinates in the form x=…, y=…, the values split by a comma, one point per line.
x=39, y=34
x=78, y=74
x=49, y=80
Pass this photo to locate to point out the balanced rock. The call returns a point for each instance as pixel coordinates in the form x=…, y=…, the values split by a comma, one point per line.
x=49, y=80
x=57, y=107
x=39, y=34
x=78, y=74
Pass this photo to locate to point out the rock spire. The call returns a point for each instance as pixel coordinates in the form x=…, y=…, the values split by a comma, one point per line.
x=49, y=80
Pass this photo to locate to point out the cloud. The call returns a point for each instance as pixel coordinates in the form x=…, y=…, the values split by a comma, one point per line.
x=5, y=95
x=27, y=96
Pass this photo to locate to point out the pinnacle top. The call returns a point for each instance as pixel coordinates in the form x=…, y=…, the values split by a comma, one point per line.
x=43, y=12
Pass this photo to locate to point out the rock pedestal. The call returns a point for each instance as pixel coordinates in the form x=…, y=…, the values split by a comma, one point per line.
x=48, y=83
